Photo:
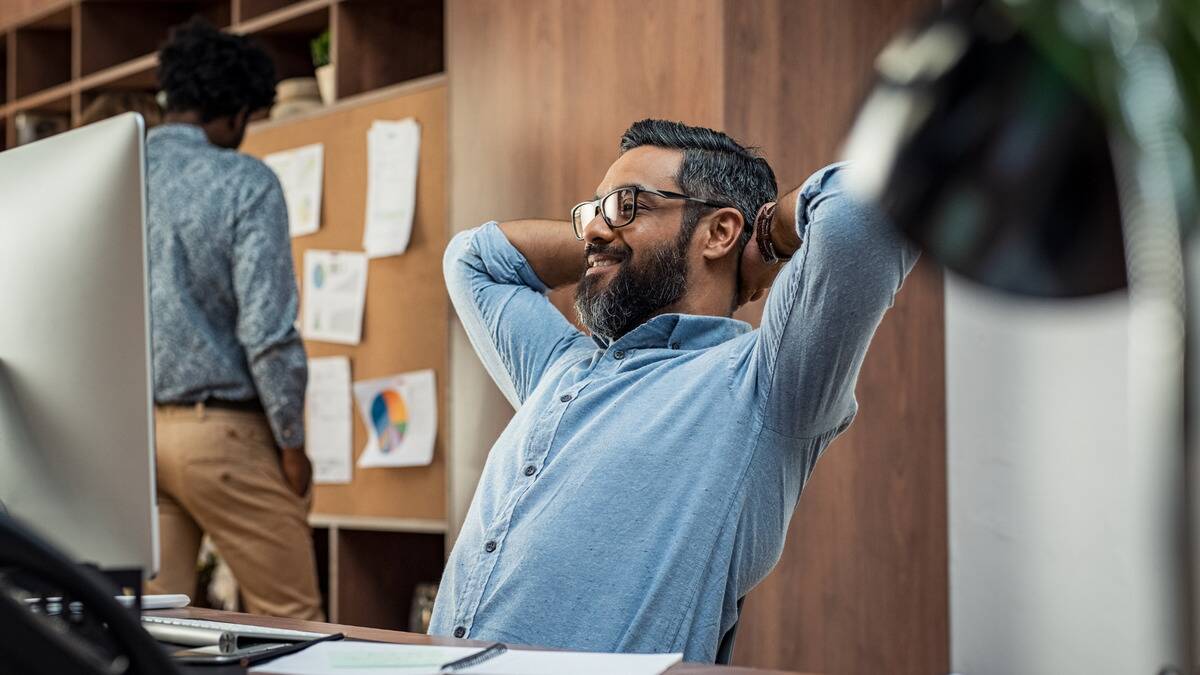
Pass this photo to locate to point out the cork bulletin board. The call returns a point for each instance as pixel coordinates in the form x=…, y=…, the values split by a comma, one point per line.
x=406, y=319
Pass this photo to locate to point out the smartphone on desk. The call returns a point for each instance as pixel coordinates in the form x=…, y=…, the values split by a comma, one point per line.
x=212, y=654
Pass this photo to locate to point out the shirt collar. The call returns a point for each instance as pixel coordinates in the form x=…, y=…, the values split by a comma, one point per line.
x=678, y=331
x=179, y=131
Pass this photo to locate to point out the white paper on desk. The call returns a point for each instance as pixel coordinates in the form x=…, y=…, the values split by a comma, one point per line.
x=300, y=172
x=393, y=150
x=328, y=417
x=400, y=413
x=361, y=658
x=335, y=293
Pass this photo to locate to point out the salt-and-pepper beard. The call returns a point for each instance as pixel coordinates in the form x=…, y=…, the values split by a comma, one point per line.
x=637, y=291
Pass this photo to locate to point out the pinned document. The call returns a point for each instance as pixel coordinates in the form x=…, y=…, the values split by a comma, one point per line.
x=329, y=419
x=400, y=413
x=335, y=293
x=393, y=150
x=300, y=172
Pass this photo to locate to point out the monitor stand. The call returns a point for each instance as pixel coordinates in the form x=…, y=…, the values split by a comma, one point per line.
x=125, y=581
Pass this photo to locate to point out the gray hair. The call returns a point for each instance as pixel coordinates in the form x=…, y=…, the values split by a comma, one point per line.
x=715, y=167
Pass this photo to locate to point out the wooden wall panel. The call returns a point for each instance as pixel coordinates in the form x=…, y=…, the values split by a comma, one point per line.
x=541, y=90
x=863, y=583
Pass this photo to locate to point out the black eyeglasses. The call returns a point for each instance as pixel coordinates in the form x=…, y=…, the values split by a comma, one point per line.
x=619, y=207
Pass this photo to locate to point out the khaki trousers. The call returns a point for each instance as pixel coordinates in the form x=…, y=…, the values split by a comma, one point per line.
x=218, y=473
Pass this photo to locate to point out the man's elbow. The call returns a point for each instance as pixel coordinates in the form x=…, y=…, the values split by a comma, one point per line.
x=455, y=265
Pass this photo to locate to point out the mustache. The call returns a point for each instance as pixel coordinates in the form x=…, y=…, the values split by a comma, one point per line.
x=612, y=250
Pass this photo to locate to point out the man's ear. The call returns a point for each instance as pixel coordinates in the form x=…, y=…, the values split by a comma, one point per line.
x=723, y=230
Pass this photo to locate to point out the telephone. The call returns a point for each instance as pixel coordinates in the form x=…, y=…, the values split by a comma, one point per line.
x=89, y=634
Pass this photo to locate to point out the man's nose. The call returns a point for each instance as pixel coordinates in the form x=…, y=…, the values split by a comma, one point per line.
x=596, y=230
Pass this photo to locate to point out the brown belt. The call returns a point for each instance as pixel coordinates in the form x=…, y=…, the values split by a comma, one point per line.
x=253, y=405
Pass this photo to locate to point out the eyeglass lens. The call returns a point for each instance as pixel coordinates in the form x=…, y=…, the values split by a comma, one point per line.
x=619, y=208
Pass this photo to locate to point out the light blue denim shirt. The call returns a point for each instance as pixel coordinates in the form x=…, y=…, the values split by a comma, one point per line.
x=223, y=293
x=643, y=486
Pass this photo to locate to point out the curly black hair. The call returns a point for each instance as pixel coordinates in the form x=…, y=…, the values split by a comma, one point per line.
x=213, y=73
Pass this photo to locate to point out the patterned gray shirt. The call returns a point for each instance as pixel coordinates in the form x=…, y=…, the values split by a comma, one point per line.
x=223, y=293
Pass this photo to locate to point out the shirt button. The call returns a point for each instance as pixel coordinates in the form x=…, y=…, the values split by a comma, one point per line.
x=490, y=546
x=530, y=470
x=459, y=632
x=618, y=355
x=674, y=345
x=564, y=398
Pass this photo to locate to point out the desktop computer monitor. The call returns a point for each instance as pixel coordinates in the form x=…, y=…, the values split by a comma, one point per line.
x=76, y=425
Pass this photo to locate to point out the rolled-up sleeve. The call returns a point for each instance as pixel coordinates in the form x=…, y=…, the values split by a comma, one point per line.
x=264, y=282
x=824, y=308
x=502, y=304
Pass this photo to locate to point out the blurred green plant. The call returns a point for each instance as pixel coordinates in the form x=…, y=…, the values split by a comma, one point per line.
x=319, y=47
x=1106, y=46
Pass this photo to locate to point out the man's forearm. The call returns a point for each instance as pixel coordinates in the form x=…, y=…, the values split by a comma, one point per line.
x=550, y=247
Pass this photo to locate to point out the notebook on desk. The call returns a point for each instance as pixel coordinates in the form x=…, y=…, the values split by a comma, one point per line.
x=369, y=658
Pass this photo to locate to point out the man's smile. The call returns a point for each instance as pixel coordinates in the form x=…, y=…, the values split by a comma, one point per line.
x=600, y=262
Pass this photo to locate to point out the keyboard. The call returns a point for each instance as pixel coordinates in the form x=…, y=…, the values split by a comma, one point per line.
x=202, y=632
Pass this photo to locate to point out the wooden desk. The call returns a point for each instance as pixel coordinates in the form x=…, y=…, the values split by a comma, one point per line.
x=378, y=635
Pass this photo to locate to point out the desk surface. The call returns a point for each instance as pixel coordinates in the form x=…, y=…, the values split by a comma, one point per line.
x=377, y=635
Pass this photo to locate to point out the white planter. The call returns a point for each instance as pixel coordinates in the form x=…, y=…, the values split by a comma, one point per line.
x=325, y=82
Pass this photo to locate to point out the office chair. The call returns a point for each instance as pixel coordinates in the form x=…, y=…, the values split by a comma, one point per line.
x=725, y=646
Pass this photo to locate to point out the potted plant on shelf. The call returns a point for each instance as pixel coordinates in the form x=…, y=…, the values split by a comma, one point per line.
x=321, y=61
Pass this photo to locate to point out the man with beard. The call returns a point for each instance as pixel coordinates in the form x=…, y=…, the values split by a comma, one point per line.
x=646, y=482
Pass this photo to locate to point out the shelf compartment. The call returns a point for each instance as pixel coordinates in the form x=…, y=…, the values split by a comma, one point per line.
x=379, y=43
x=322, y=539
x=87, y=97
x=137, y=75
x=52, y=107
x=286, y=35
x=378, y=572
x=41, y=54
x=116, y=31
x=253, y=9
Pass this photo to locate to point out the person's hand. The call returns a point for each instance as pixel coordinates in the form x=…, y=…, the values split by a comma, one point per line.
x=756, y=274
x=297, y=469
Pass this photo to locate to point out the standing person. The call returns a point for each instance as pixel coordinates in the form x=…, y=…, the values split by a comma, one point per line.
x=646, y=482
x=229, y=367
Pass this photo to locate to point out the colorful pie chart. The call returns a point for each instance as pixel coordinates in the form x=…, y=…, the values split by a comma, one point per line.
x=390, y=417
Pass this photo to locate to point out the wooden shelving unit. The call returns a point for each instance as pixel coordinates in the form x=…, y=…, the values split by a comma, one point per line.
x=59, y=60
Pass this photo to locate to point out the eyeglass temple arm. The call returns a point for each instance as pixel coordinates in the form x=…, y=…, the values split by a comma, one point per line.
x=676, y=195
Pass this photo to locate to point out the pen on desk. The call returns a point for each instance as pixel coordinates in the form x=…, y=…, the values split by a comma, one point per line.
x=286, y=649
x=474, y=659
